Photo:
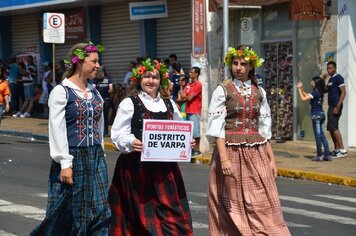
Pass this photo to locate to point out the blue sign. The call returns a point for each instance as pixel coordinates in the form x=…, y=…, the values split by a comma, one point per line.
x=20, y=2
x=148, y=10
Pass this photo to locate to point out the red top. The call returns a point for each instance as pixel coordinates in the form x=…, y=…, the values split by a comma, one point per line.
x=193, y=106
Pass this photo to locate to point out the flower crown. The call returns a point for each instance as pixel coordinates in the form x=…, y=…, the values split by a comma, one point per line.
x=147, y=65
x=247, y=53
x=80, y=54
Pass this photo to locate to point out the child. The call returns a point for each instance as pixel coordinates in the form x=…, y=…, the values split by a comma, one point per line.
x=318, y=116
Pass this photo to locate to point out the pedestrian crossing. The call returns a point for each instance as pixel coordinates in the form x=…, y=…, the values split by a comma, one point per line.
x=312, y=207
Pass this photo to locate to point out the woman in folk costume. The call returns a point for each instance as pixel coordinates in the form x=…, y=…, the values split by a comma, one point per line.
x=146, y=198
x=242, y=196
x=78, y=181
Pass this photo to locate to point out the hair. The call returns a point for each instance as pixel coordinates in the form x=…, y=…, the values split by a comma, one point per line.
x=71, y=69
x=251, y=74
x=119, y=94
x=3, y=73
x=177, y=67
x=132, y=63
x=196, y=69
x=331, y=63
x=319, y=85
x=101, y=73
x=135, y=89
x=173, y=56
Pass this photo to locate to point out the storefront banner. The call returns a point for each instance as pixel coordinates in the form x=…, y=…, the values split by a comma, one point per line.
x=75, y=25
x=166, y=140
x=148, y=10
x=306, y=10
x=199, y=29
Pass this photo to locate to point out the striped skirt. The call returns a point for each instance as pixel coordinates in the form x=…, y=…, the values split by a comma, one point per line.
x=245, y=203
x=81, y=209
x=148, y=198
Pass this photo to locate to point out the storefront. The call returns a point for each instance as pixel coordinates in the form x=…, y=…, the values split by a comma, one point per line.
x=108, y=23
x=291, y=50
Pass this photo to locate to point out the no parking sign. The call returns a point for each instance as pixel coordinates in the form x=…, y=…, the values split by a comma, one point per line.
x=53, y=28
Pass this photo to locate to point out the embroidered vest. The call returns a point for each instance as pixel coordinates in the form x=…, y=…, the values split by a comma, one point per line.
x=82, y=117
x=141, y=112
x=242, y=115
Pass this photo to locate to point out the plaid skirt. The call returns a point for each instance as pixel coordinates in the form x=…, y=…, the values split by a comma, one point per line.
x=81, y=209
x=245, y=203
x=148, y=198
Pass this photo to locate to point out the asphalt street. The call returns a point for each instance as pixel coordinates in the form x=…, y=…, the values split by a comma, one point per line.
x=310, y=208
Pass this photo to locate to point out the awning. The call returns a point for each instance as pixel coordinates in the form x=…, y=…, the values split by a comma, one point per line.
x=213, y=4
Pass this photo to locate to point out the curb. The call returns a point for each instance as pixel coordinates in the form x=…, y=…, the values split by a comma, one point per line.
x=21, y=134
x=205, y=159
x=315, y=176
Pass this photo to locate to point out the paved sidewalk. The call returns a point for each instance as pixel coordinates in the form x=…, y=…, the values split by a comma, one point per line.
x=293, y=157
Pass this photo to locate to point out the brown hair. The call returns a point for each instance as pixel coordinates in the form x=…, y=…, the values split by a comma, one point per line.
x=71, y=69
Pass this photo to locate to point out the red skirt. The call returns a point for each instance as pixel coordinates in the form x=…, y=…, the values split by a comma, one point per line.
x=148, y=198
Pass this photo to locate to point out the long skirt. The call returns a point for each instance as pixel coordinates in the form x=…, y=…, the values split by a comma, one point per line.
x=148, y=198
x=245, y=203
x=81, y=209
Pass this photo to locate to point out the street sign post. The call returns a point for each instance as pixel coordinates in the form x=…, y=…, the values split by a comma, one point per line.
x=53, y=27
x=53, y=32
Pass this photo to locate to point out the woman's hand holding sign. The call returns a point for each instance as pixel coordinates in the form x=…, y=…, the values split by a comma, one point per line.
x=192, y=144
x=137, y=145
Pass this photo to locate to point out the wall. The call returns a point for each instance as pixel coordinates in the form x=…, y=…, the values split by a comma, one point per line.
x=346, y=61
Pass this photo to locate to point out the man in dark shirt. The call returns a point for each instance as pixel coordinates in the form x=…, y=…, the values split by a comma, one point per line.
x=336, y=94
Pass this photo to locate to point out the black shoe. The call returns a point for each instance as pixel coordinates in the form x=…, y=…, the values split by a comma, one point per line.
x=196, y=153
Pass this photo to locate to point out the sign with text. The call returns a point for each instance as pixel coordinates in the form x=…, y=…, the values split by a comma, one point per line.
x=75, y=24
x=53, y=28
x=148, y=10
x=199, y=29
x=167, y=140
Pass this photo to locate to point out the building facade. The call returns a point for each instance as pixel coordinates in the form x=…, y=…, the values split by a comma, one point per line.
x=293, y=50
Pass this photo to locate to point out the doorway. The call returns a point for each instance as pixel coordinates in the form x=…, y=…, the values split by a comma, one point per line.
x=279, y=88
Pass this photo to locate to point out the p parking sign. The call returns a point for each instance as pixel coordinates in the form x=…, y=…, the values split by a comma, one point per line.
x=53, y=28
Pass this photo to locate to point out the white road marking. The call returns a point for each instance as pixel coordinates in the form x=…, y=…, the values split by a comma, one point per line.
x=340, y=198
x=198, y=194
x=318, y=203
x=4, y=233
x=44, y=195
x=197, y=225
x=23, y=210
x=320, y=216
x=295, y=225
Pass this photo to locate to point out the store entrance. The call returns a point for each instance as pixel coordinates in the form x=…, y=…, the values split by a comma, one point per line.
x=279, y=88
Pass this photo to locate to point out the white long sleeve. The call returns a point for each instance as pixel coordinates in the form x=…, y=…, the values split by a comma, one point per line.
x=217, y=115
x=58, y=143
x=121, y=134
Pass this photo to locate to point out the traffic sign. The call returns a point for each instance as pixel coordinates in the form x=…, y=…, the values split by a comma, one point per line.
x=53, y=27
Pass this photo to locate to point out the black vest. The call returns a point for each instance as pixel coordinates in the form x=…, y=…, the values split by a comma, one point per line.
x=141, y=112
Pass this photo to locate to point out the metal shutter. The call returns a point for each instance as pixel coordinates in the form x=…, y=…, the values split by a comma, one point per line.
x=24, y=33
x=174, y=34
x=120, y=36
x=63, y=49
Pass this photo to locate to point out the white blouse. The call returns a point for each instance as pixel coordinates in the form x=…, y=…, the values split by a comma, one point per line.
x=217, y=112
x=121, y=129
x=58, y=143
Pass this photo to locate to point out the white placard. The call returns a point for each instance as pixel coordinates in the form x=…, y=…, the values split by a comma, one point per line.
x=167, y=140
x=53, y=28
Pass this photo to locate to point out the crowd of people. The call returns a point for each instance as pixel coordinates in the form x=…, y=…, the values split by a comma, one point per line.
x=149, y=198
